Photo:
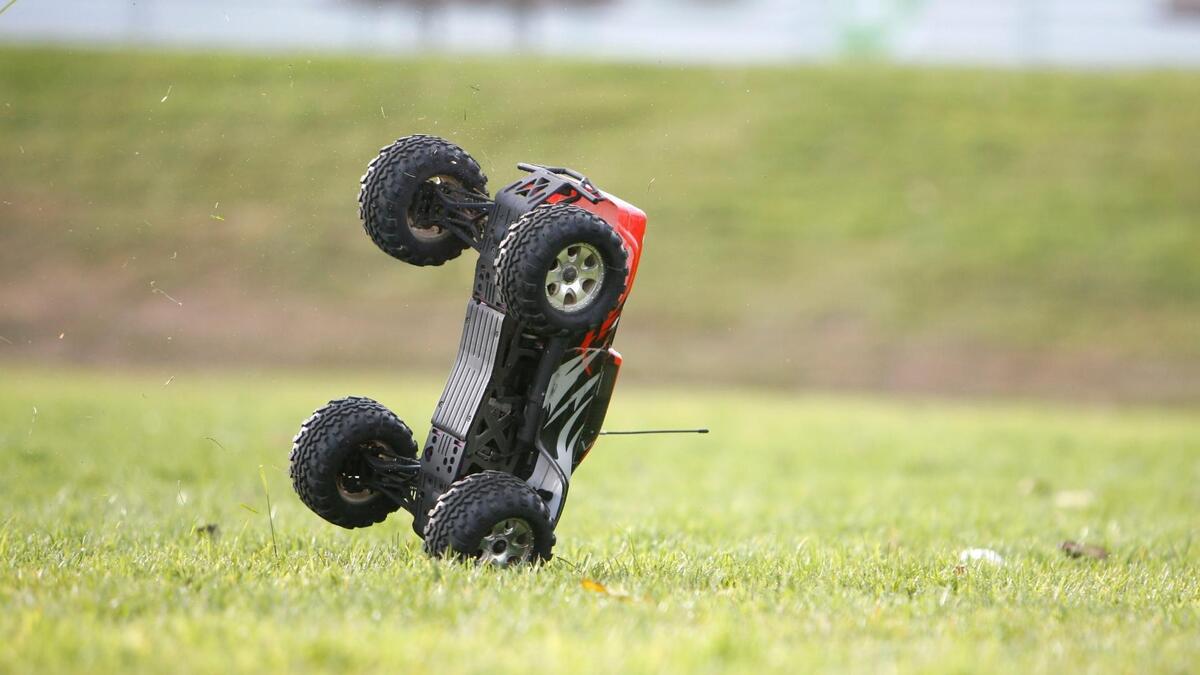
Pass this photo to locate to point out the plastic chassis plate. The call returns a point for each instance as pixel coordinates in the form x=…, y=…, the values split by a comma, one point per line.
x=529, y=406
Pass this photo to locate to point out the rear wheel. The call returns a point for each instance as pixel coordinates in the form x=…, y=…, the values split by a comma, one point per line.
x=399, y=201
x=340, y=459
x=493, y=518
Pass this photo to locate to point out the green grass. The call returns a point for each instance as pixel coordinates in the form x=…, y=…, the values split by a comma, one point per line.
x=805, y=533
x=1039, y=226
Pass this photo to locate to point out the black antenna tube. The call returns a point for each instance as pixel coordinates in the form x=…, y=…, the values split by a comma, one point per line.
x=654, y=431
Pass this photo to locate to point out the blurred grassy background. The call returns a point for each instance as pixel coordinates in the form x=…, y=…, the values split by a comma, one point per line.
x=856, y=226
x=865, y=227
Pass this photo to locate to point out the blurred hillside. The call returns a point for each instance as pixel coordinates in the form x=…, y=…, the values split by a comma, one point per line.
x=922, y=230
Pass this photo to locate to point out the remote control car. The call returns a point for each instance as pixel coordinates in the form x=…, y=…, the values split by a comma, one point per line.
x=535, y=367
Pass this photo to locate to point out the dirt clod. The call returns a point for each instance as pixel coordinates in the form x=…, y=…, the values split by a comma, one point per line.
x=1074, y=549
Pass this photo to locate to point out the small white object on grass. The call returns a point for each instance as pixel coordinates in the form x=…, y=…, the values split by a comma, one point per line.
x=1074, y=499
x=980, y=554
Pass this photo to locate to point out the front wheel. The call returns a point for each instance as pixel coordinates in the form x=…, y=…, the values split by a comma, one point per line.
x=562, y=270
x=493, y=518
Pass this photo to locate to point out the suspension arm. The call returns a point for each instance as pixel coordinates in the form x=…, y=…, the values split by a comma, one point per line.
x=461, y=211
x=395, y=477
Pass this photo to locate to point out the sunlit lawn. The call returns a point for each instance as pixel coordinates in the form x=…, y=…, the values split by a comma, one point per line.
x=805, y=533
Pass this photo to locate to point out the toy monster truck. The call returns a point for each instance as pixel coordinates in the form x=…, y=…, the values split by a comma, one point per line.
x=535, y=368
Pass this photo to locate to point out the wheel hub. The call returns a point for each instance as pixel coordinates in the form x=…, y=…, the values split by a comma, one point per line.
x=510, y=542
x=356, y=471
x=575, y=278
x=426, y=209
x=351, y=489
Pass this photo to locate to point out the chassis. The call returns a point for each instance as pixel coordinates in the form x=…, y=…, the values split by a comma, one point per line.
x=535, y=368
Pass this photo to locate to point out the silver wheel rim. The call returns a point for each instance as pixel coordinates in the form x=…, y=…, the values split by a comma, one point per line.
x=433, y=232
x=575, y=278
x=509, y=543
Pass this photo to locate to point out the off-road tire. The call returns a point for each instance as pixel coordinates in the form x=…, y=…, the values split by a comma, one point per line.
x=389, y=187
x=525, y=257
x=327, y=440
x=467, y=511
